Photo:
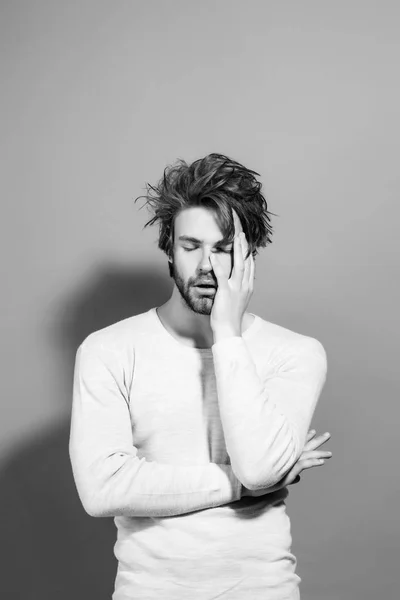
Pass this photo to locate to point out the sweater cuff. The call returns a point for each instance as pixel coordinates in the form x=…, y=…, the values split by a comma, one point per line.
x=226, y=343
x=235, y=483
x=229, y=349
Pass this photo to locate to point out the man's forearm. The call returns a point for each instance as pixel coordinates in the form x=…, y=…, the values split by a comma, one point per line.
x=265, y=434
x=123, y=485
x=110, y=477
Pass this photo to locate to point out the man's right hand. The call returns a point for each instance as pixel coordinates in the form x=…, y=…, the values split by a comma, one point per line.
x=310, y=457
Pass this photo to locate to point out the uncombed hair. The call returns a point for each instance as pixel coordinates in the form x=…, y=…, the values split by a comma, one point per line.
x=215, y=182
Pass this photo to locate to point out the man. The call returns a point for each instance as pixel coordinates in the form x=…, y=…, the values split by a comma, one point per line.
x=190, y=420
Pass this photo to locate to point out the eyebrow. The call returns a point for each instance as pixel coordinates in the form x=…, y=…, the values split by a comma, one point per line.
x=193, y=240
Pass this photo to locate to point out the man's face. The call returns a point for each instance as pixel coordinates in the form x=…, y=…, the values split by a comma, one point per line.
x=196, y=236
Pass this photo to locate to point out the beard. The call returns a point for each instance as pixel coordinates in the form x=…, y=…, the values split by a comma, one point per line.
x=197, y=303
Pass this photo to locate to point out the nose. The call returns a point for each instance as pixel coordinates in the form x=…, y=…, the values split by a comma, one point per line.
x=205, y=263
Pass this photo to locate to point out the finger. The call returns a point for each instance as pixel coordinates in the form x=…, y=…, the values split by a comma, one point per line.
x=238, y=262
x=316, y=442
x=251, y=273
x=316, y=454
x=246, y=261
x=291, y=481
x=249, y=261
x=309, y=463
x=310, y=435
x=218, y=270
x=301, y=465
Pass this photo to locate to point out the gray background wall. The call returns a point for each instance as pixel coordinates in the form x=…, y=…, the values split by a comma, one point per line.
x=97, y=97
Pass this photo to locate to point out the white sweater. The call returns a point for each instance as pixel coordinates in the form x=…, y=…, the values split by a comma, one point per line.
x=164, y=435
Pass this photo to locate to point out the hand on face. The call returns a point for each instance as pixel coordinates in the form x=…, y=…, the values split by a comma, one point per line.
x=234, y=292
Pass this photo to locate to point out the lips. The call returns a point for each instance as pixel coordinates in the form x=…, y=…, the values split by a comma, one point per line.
x=206, y=289
x=206, y=284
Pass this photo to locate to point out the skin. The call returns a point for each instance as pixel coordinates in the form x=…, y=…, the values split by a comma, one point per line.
x=187, y=314
x=200, y=319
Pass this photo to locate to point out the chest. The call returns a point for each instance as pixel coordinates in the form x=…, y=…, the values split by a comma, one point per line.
x=173, y=400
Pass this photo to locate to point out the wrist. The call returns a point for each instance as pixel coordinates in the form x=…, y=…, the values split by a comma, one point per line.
x=222, y=333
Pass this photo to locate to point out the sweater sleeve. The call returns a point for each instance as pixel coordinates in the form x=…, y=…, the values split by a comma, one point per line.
x=111, y=479
x=265, y=422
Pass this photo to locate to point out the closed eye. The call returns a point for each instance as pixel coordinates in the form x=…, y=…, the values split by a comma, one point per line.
x=224, y=250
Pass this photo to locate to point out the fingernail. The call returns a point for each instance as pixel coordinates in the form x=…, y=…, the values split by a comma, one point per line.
x=321, y=461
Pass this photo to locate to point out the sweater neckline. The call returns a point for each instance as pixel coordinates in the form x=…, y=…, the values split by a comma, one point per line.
x=248, y=333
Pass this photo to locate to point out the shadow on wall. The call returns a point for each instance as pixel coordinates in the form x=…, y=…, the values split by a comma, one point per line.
x=52, y=548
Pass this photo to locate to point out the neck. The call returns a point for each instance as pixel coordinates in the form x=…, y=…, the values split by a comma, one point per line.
x=188, y=327
x=192, y=328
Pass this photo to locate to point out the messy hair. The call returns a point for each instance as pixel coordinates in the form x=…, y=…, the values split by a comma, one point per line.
x=215, y=182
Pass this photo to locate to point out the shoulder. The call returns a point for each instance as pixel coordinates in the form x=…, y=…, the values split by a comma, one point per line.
x=285, y=344
x=118, y=337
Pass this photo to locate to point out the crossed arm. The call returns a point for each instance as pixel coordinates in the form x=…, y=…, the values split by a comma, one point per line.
x=113, y=481
x=266, y=434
